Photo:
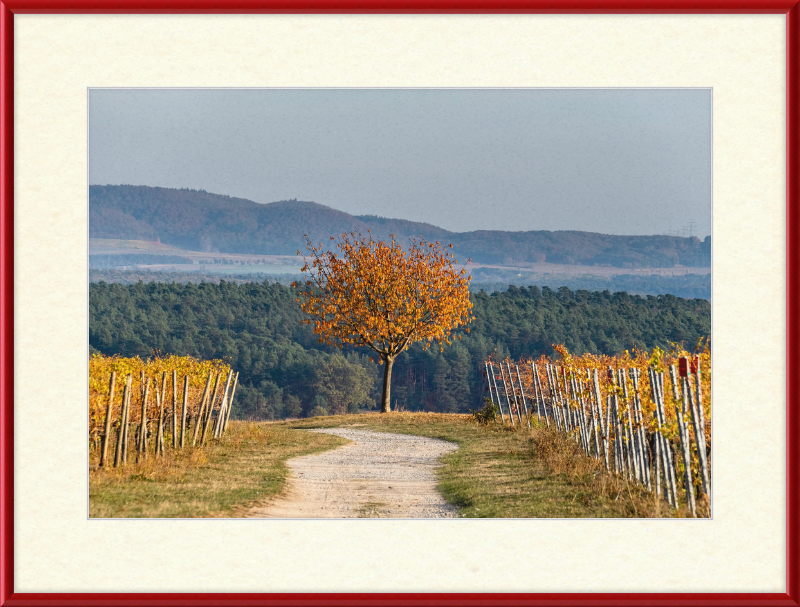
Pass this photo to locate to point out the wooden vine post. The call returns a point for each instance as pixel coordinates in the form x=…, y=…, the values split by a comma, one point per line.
x=505, y=391
x=699, y=392
x=630, y=453
x=564, y=411
x=685, y=448
x=499, y=404
x=230, y=401
x=107, y=430
x=162, y=419
x=126, y=424
x=580, y=414
x=159, y=446
x=210, y=409
x=619, y=461
x=538, y=395
x=522, y=393
x=593, y=411
x=587, y=431
x=669, y=454
x=513, y=391
x=143, y=422
x=198, y=421
x=555, y=398
x=553, y=404
x=662, y=449
x=603, y=427
x=184, y=407
x=489, y=382
x=126, y=398
x=656, y=436
x=642, y=433
x=699, y=432
x=223, y=407
x=174, y=408
x=585, y=420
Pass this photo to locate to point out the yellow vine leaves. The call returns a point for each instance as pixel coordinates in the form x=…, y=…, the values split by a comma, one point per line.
x=582, y=368
x=153, y=369
x=377, y=294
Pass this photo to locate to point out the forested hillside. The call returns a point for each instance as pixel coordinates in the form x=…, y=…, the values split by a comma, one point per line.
x=284, y=371
x=200, y=221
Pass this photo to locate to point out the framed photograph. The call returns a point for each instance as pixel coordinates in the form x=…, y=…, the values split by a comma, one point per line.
x=84, y=84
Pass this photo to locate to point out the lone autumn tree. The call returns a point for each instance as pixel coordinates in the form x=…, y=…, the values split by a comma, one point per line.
x=376, y=294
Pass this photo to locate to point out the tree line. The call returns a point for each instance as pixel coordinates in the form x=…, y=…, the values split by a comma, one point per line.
x=286, y=372
x=688, y=286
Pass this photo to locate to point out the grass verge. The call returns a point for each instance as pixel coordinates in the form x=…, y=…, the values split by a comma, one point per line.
x=513, y=472
x=220, y=480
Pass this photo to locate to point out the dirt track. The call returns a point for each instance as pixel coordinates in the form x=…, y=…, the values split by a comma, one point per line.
x=377, y=475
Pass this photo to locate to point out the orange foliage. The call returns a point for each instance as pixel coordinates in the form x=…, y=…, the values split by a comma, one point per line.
x=378, y=295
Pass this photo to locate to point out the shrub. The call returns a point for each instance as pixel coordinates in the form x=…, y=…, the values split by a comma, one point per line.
x=318, y=411
x=487, y=414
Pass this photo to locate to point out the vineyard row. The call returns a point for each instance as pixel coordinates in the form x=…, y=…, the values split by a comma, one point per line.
x=144, y=413
x=657, y=437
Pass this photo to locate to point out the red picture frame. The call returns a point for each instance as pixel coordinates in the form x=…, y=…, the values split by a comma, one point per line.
x=791, y=8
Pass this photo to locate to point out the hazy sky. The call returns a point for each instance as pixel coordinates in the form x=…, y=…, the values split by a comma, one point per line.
x=618, y=161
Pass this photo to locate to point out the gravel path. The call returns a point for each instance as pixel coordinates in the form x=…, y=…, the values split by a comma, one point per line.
x=377, y=475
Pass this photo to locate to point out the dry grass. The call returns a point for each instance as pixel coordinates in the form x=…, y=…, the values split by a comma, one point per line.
x=222, y=479
x=565, y=457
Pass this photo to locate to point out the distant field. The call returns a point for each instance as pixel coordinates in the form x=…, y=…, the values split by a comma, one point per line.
x=127, y=277
x=229, y=263
x=484, y=271
x=224, y=269
x=113, y=244
x=215, y=262
x=264, y=269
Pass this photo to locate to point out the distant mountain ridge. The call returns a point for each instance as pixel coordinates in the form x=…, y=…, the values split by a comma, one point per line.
x=200, y=221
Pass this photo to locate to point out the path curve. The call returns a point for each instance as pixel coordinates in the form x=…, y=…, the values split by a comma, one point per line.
x=378, y=475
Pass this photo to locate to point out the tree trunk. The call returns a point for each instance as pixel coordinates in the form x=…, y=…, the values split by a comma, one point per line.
x=387, y=384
